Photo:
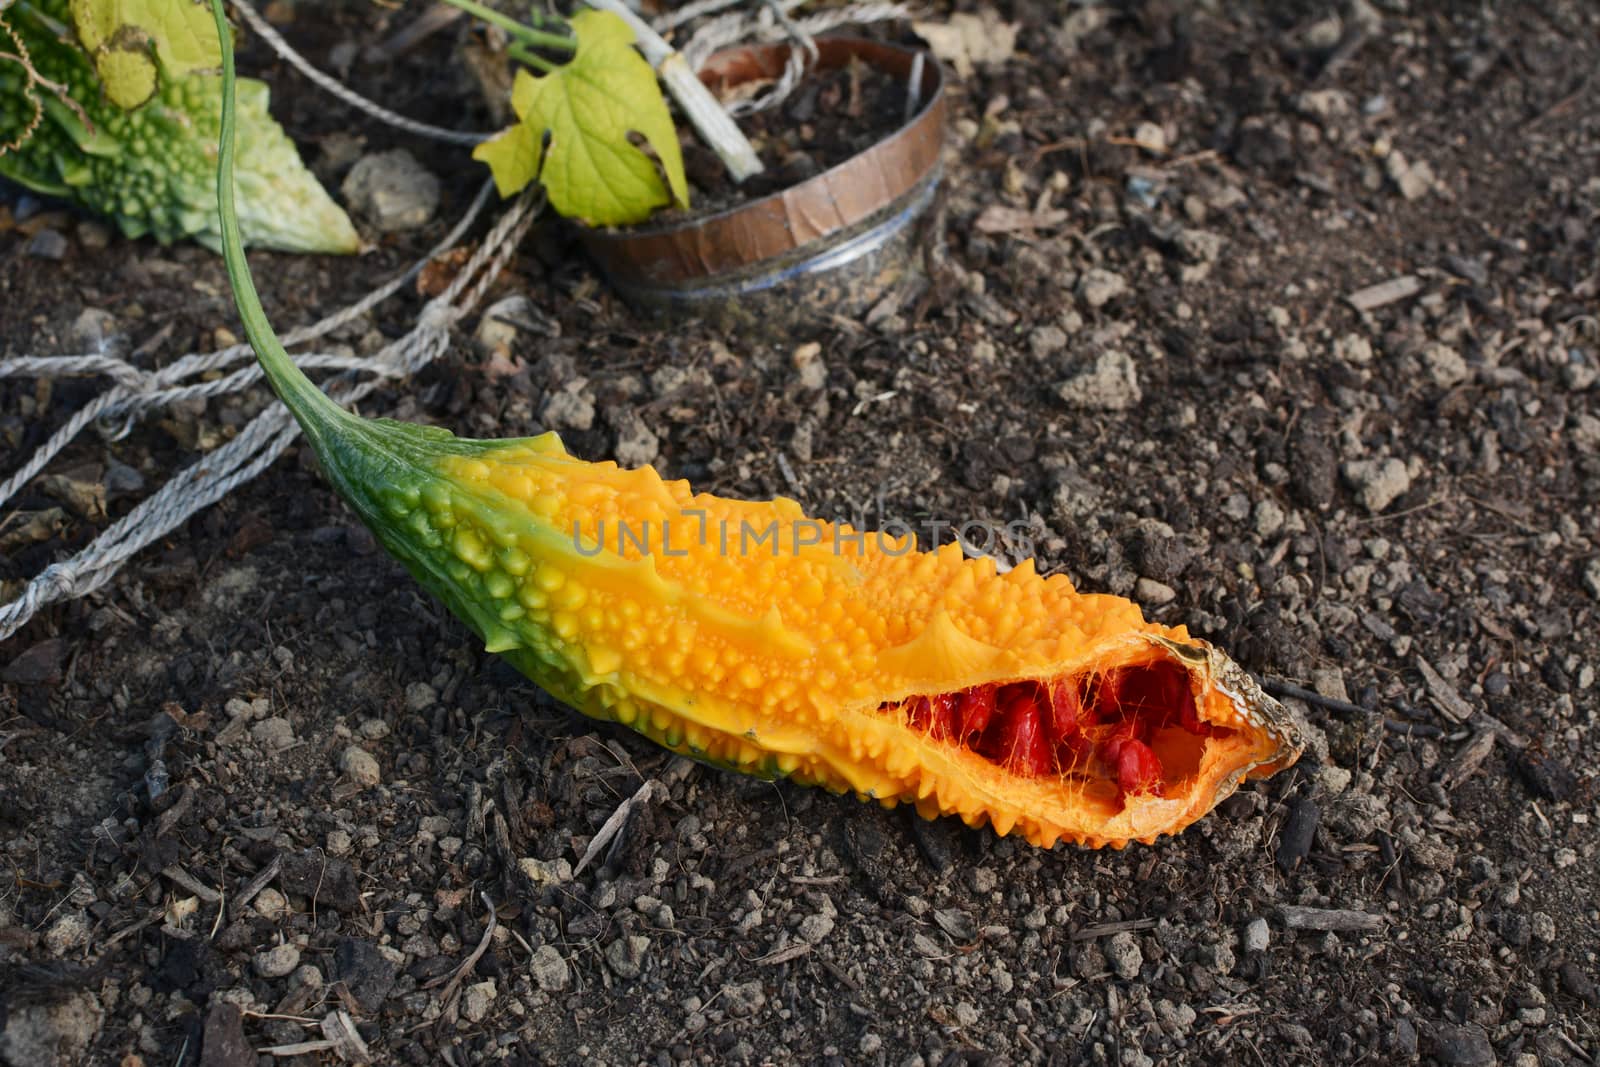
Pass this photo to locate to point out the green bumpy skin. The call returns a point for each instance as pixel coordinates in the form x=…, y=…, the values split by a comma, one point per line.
x=153, y=169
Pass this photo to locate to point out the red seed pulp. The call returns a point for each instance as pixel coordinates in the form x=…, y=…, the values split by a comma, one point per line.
x=1104, y=726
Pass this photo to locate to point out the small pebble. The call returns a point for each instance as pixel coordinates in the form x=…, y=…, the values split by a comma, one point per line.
x=1122, y=951
x=358, y=765
x=47, y=244
x=1377, y=482
x=477, y=999
x=273, y=734
x=271, y=904
x=392, y=191
x=66, y=934
x=1257, y=935
x=276, y=962
x=550, y=970
x=1098, y=287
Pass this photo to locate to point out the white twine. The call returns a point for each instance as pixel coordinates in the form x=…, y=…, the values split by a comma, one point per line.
x=769, y=22
x=138, y=390
x=219, y=472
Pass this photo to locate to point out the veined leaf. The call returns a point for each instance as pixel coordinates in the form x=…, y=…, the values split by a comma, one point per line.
x=587, y=109
x=121, y=34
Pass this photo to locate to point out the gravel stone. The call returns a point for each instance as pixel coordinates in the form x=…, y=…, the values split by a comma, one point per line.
x=48, y=244
x=1444, y=365
x=637, y=445
x=271, y=905
x=420, y=696
x=1591, y=577
x=1353, y=349
x=1098, y=287
x=358, y=765
x=276, y=962
x=625, y=955
x=477, y=999
x=1464, y=1046
x=392, y=191
x=815, y=928
x=1123, y=953
x=543, y=873
x=1217, y=958
x=274, y=734
x=67, y=934
x=743, y=999
x=1149, y=591
x=1269, y=518
x=813, y=368
x=570, y=408
x=550, y=970
x=1045, y=341
x=49, y=1031
x=1112, y=384
x=1378, y=483
x=1257, y=935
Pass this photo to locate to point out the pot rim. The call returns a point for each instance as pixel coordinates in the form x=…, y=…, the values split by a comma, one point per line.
x=781, y=222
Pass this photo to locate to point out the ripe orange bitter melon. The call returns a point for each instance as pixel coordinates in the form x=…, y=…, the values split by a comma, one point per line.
x=743, y=634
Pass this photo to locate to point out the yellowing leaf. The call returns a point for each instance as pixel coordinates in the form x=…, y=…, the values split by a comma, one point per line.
x=587, y=109
x=121, y=34
x=512, y=156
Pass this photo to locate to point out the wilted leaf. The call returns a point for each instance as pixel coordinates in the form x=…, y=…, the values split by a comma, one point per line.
x=121, y=35
x=587, y=109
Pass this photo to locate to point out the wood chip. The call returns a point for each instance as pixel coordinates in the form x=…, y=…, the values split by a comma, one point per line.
x=340, y=1030
x=1468, y=760
x=188, y=881
x=1339, y=920
x=1089, y=933
x=1445, y=698
x=999, y=218
x=1376, y=296
x=784, y=955
x=254, y=886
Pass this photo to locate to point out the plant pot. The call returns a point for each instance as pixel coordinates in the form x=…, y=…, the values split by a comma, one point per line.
x=834, y=244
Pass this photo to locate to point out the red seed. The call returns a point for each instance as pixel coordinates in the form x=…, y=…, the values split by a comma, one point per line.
x=1138, y=767
x=1021, y=745
x=974, y=710
x=1066, y=707
x=935, y=715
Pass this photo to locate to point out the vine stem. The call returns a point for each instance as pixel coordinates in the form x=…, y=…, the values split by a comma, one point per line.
x=519, y=31
x=318, y=415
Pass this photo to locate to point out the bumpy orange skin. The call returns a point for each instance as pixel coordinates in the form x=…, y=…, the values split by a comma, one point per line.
x=745, y=634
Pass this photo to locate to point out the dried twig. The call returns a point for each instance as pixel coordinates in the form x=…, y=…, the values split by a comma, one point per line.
x=452, y=984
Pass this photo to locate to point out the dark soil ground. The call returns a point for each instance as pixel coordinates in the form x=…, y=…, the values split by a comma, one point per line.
x=1149, y=354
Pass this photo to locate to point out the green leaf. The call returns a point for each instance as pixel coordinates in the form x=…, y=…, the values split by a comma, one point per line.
x=587, y=108
x=120, y=36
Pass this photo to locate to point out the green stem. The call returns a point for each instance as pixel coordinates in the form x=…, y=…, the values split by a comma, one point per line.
x=317, y=414
x=519, y=31
x=531, y=59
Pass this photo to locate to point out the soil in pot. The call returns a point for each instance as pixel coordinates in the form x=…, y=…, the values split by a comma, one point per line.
x=852, y=213
x=832, y=115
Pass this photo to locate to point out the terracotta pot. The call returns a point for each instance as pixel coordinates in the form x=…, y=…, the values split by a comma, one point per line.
x=835, y=244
